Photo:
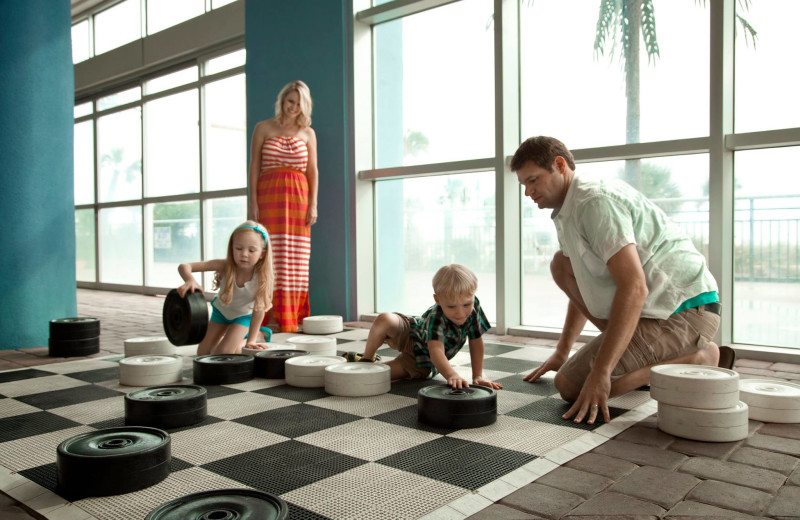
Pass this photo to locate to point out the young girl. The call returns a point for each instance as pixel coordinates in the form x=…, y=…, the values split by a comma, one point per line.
x=245, y=281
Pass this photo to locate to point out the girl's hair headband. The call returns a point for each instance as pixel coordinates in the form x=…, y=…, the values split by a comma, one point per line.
x=263, y=233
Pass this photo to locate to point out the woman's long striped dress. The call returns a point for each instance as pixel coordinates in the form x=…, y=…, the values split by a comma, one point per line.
x=282, y=193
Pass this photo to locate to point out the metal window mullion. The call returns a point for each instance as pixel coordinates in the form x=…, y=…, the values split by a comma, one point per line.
x=721, y=185
x=508, y=232
x=201, y=95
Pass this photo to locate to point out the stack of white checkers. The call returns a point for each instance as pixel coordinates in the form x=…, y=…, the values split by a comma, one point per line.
x=150, y=370
x=357, y=379
x=155, y=345
x=315, y=345
x=322, y=324
x=771, y=400
x=268, y=346
x=699, y=402
x=309, y=371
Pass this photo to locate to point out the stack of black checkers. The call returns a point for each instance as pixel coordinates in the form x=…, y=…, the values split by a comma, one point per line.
x=166, y=407
x=112, y=461
x=71, y=337
x=446, y=407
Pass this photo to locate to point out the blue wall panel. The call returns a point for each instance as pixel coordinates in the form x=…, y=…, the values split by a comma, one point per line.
x=308, y=40
x=37, y=240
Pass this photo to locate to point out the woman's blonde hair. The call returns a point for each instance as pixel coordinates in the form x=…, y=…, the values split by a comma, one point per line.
x=263, y=269
x=454, y=280
x=304, y=119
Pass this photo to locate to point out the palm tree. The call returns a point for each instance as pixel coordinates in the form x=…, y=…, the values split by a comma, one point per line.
x=619, y=24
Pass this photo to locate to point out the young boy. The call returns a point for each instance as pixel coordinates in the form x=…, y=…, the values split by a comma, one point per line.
x=427, y=342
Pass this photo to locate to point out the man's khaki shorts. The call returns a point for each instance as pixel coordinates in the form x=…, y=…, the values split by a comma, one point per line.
x=653, y=341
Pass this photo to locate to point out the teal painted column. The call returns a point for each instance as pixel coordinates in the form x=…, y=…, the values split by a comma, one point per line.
x=310, y=40
x=37, y=240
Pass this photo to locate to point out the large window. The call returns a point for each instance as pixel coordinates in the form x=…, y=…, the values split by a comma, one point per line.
x=153, y=209
x=647, y=94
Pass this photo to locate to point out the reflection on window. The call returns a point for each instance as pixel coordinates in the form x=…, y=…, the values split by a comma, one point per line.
x=121, y=245
x=119, y=98
x=767, y=105
x=225, y=134
x=766, y=249
x=162, y=14
x=678, y=185
x=85, y=268
x=81, y=43
x=119, y=149
x=168, y=81
x=84, y=162
x=172, y=235
x=117, y=26
x=84, y=109
x=172, y=163
x=434, y=104
x=586, y=106
x=225, y=62
x=220, y=218
x=423, y=224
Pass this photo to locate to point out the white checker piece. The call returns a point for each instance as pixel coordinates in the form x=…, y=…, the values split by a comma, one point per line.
x=241, y=404
x=221, y=440
x=135, y=506
x=15, y=408
x=37, y=450
x=96, y=411
x=364, y=407
x=69, y=367
x=368, y=439
x=513, y=433
x=399, y=493
x=43, y=384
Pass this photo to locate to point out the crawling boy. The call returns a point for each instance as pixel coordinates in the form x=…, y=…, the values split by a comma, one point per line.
x=426, y=343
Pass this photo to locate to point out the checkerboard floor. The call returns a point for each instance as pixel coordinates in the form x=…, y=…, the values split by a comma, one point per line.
x=327, y=456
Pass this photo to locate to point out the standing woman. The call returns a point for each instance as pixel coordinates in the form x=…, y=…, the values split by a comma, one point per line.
x=282, y=186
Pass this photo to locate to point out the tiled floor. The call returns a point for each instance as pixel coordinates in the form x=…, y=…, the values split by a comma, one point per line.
x=642, y=473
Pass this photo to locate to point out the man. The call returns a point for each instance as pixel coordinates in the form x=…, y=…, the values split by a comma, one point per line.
x=625, y=268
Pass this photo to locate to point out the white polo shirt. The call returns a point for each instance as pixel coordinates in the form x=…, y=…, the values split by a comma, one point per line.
x=598, y=218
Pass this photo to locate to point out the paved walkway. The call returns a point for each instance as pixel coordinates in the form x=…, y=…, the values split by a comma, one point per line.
x=641, y=474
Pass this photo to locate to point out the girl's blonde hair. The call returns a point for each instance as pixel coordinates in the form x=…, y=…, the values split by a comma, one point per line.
x=304, y=119
x=454, y=280
x=263, y=269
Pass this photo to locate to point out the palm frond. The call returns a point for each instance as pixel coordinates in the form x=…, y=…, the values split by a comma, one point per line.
x=649, y=31
x=606, y=27
x=749, y=31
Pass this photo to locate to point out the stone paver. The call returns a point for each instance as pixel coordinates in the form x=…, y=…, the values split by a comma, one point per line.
x=618, y=504
x=764, y=459
x=542, y=500
x=734, y=473
x=715, y=450
x=727, y=496
x=772, y=443
x=501, y=512
x=790, y=431
x=575, y=481
x=691, y=509
x=646, y=436
x=640, y=454
x=657, y=485
x=786, y=503
x=602, y=465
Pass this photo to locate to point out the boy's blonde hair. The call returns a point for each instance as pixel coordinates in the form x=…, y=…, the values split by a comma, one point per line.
x=454, y=280
x=263, y=269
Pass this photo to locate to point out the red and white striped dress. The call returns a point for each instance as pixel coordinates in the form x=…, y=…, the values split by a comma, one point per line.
x=282, y=193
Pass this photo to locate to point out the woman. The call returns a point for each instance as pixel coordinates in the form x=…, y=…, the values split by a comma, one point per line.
x=283, y=197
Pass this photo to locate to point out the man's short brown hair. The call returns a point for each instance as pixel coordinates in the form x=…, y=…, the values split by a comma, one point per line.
x=542, y=151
